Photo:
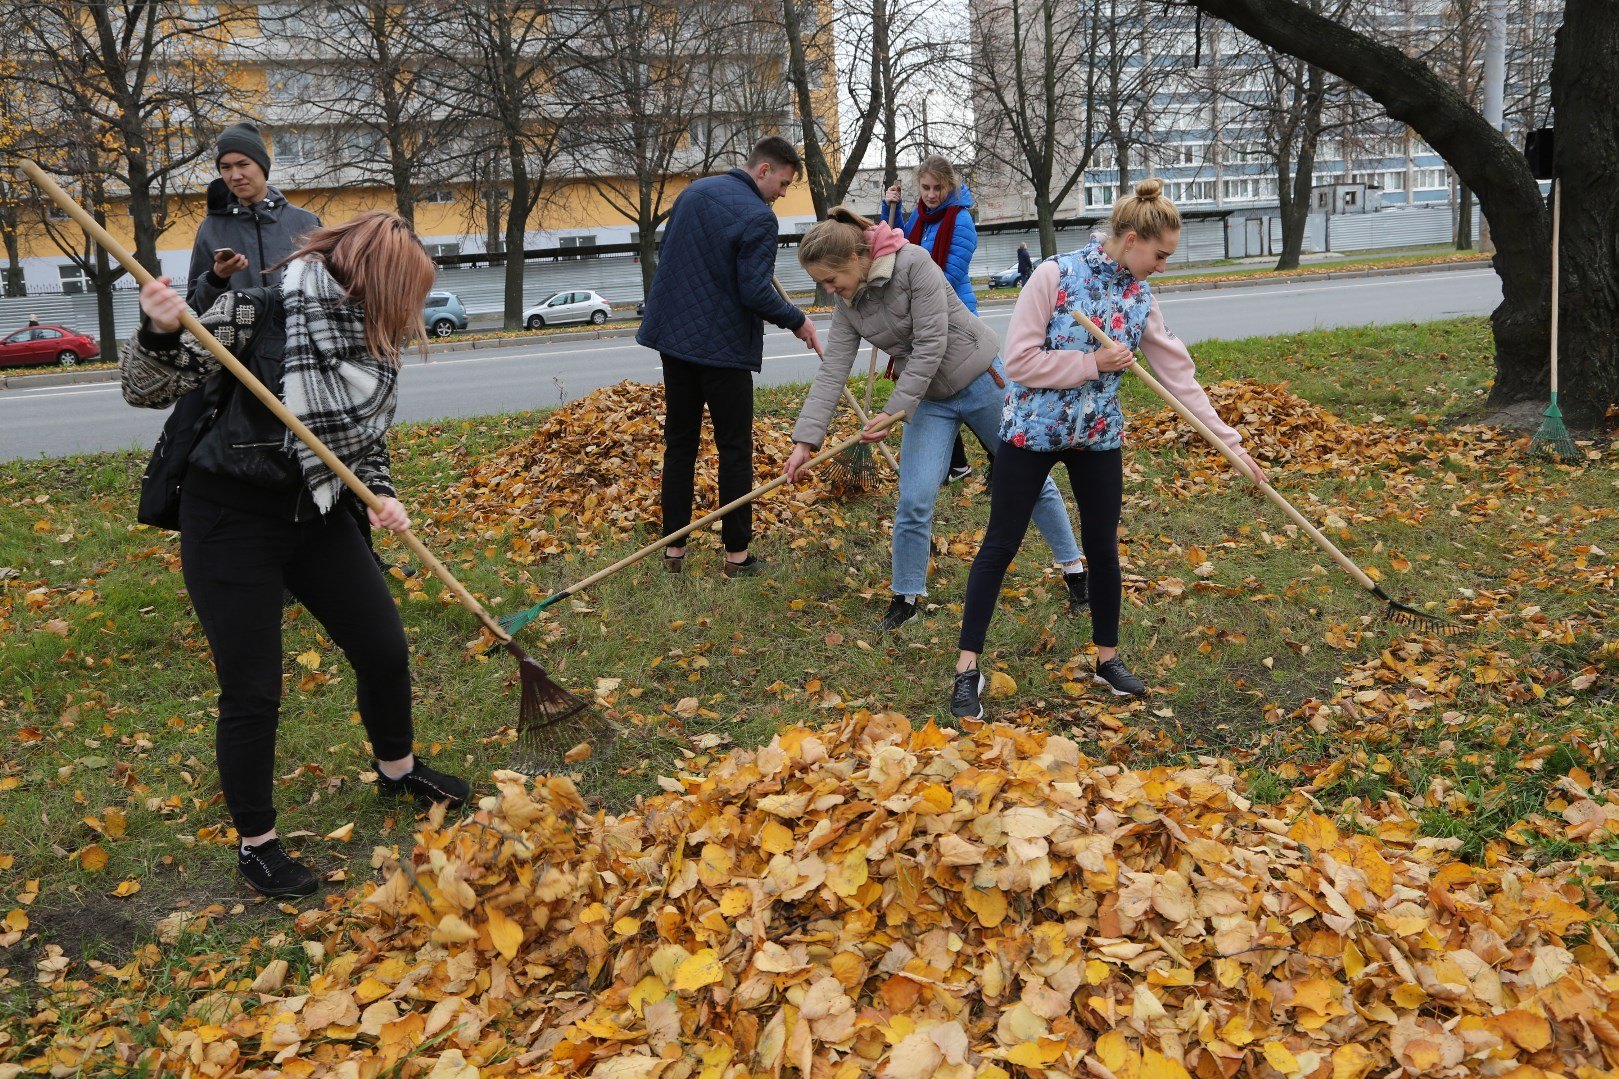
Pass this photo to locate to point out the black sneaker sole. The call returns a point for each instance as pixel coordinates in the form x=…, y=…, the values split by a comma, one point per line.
x=282, y=893
x=1115, y=690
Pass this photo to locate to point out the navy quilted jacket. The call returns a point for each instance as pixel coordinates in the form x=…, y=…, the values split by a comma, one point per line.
x=712, y=291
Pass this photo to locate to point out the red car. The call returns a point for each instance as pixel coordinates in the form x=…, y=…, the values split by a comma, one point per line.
x=36, y=345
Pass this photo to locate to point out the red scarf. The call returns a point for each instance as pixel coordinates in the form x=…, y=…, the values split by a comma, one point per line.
x=946, y=218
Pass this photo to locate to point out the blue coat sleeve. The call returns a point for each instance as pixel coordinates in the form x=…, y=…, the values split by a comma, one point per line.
x=755, y=266
x=963, y=243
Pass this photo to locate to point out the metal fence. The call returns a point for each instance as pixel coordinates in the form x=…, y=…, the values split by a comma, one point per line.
x=618, y=277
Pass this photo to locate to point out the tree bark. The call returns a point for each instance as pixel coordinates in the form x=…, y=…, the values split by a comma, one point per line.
x=819, y=172
x=1464, y=220
x=1584, y=88
x=1294, y=185
x=103, y=279
x=13, y=284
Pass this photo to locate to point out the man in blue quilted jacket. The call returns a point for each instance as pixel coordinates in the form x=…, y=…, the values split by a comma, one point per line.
x=705, y=316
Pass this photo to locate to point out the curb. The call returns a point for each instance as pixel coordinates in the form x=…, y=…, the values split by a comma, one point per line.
x=434, y=348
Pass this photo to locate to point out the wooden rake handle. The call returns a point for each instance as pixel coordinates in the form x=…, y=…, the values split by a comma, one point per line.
x=1344, y=561
x=259, y=390
x=708, y=519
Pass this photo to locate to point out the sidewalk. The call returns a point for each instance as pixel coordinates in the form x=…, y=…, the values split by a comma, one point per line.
x=1165, y=286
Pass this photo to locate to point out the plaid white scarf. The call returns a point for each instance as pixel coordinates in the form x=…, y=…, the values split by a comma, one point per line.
x=330, y=380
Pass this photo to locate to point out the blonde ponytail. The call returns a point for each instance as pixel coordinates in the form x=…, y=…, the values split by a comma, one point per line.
x=835, y=242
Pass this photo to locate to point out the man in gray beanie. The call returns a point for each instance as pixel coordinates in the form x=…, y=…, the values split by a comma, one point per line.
x=249, y=227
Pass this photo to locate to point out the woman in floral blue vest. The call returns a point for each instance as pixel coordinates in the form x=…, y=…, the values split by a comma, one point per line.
x=1062, y=405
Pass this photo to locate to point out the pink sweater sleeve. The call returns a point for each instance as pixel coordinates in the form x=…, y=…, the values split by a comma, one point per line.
x=1172, y=363
x=1028, y=362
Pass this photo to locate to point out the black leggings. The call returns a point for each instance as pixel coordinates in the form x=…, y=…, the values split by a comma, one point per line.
x=236, y=564
x=1097, y=477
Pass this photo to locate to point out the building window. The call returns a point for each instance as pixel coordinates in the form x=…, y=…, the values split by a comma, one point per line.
x=292, y=148
x=438, y=196
x=75, y=281
x=438, y=251
x=572, y=245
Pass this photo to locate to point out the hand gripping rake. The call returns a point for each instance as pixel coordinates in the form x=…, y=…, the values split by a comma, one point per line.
x=1395, y=611
x=543, y=702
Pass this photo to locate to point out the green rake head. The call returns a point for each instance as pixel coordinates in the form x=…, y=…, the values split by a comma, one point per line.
x=1552, y=439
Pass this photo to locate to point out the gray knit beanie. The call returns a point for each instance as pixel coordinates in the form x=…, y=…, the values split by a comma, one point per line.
x=244, y=138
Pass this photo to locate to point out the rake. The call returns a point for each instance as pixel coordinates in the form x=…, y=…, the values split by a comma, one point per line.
x=545, y=704
x=1552, y=439
x=1397, y=612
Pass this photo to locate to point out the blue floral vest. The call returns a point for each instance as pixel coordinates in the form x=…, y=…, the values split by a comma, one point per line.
x=1086, y=416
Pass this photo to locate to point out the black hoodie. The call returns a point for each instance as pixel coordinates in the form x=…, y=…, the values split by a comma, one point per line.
x=265, y=233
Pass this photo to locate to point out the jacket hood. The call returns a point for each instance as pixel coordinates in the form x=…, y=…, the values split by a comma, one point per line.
x=884, y=240
x=223, y=203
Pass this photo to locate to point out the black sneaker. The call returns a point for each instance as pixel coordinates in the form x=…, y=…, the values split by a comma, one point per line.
x=964, y=702
x=1117, y=677
x=426, y=785
x=900, y=611
x=960, y=472
x=1079, y=592
x=270, y=870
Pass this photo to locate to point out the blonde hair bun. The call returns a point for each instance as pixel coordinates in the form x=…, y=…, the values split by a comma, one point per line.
x=1149, y=189
x=1147, y=212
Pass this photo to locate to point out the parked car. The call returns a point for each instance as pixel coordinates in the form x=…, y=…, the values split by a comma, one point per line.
x=443, y=314
x=568, y=307
x=1005, y=278
x=33, y=345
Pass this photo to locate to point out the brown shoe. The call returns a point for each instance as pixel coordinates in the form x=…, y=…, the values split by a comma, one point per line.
x=748, y=567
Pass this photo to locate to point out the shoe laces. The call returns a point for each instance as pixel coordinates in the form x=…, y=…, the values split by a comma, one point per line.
x=271, y=856
x=966, y=687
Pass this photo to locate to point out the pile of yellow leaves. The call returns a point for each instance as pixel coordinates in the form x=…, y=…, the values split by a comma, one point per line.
x=869, y=899
x=599, y=461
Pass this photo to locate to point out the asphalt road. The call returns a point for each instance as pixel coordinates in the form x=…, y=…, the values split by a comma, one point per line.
x=58, y=421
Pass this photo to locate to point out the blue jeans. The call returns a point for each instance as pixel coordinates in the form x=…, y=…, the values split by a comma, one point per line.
x=924, y=459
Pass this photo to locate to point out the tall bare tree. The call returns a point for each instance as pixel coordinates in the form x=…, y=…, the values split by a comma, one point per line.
x=1034, y=99
x=515, y=61
x=141, y=79
x=370, y=111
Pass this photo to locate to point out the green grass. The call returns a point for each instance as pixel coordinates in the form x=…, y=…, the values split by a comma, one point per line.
x=107, y=696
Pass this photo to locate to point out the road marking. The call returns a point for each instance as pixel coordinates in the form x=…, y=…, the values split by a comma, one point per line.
x=25, y=394
x=1225, y=294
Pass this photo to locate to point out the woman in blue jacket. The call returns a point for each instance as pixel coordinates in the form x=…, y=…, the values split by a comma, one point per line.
x=940, y=223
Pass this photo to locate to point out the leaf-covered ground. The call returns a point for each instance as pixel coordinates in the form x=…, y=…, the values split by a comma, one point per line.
x=1324, y=845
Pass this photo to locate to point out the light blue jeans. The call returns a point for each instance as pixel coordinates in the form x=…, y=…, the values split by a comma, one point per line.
x=924, y=461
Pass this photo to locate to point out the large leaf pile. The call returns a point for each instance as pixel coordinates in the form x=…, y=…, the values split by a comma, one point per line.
x=869, y=899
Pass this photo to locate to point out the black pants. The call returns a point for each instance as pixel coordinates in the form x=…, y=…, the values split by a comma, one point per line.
x=236, y=564
x=728, y=393
x=958, y=457
x=1097, y=478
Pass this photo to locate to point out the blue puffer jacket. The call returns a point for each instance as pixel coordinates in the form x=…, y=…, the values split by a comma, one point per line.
x=963, y=243
x=712, y=290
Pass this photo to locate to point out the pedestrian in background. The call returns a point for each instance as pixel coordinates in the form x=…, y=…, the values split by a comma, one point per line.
x=942, y=225
x=1025, y=264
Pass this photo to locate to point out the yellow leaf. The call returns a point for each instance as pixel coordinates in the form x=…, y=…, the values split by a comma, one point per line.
x=1351, y=1061
x=127, y=888
x=1036, y=1054
x=1314, y=831
x=371, y=989
x=1280, y=1057
x=1001, y=685
x=702, y=968
x=1409, y=996
x=1530, y=1032
x=453, y=930
x=1155, y=1065
x=505, y=932
x=849, y=874
x=342, y=834
x=1113, y=1050
x=309, y=660
x=580, y=752
x=16, y=920
x=775, y=838
x=988, y=904
x=93, y=859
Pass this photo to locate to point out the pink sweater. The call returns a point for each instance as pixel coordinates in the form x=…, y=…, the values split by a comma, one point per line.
x=1030, y=363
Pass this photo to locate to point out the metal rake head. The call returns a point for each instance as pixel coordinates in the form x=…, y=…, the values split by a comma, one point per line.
x=851, y=473
x=1405, y=615
x=553, y=723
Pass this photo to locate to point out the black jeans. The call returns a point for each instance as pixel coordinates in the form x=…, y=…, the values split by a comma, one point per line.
x=236, y=564
x=728, y=393
x=1097, y=478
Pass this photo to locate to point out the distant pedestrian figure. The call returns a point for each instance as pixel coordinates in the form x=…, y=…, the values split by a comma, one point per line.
x=33, y=319
x=1025, y=264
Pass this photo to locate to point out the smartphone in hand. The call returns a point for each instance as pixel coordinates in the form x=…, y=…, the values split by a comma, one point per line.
x=222, y=253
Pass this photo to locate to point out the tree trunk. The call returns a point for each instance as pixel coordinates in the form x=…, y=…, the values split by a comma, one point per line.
x=103, y=281
x=492, y=244
x=1295, y=186
x=646, y=222
x=516, y=238
x=1121, y=150
x=1585, y=94
x=1046, y=213
x=821, y=182
x=1464, y=220
x=1584, y=78
x=13, y=283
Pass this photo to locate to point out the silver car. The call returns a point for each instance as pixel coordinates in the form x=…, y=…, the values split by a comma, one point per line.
x=568, y=307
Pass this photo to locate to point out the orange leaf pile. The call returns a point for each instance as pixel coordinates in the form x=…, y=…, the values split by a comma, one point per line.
x=597, y=462
x=869, y=899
